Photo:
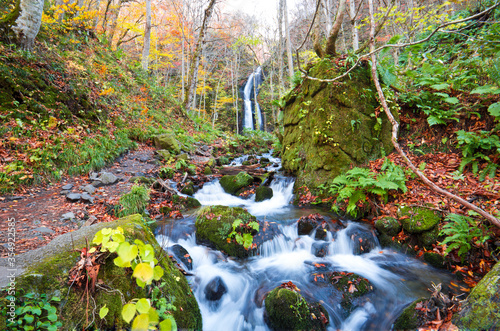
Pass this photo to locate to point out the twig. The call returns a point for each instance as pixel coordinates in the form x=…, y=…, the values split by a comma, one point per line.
x=395, y=128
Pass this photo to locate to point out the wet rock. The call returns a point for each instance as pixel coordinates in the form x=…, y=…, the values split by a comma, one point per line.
x=68, y=216
x=73, y=197
x=67, y=187
x=215, y=289
x=417, y=219
x=182, y=255
x=352, y=287
x=207, y=171
x=232, y=184
x=434, y=259
x=184, y=203
x=167, y=141
x=320, y=249
x=286, y=309
x=188, y=188
x=90, y=189
x=44, y=229
x=263, y=193
x=322, y=231
x=264, y=160
x=363, y=241
x=409, y=318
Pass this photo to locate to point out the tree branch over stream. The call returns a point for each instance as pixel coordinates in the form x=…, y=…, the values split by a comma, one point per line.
x=395, y=128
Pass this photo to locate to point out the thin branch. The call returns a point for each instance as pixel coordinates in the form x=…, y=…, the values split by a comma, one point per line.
x=395, y=128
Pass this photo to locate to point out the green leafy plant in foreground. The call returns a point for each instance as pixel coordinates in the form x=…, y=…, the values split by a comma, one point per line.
x=134, y=202
x=462, y=231
x=357, y=183
x=141, y=259
x=243, y=232
x=34, y=312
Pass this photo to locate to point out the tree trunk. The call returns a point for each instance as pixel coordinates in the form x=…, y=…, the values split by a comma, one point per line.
x=28, y=23
x=147, y=37
x=288, y=42
x=332, y=38
x=193, y=70
x=281, y=83
x=354, y=22
x=395, y=128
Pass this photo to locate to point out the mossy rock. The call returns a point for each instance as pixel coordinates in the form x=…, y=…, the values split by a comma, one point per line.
x=47, y=271
x=351, y=285
x=141, y=180
x=481, y=310
x=168, y=142
x=183, y=157
x=388, y=225
x=428, y=238
x=263, y=193
x=416, y=220
x=434, y=259
x=188, y=188
x=164, y=154
x=214, y=224
x=222, y=161
x=232, y=184
x=409, y=318
x=286, y=309
x=185, y=202
x=207, y=171
x=329, y=127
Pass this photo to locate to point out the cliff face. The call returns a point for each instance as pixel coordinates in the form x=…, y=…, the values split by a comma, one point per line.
x=330, y=126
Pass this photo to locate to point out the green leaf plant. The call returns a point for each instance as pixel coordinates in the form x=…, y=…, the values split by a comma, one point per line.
x=243, y=233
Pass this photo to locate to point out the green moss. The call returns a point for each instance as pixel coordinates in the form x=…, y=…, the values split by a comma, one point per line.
x=388, y=225
x=263, y=193
x=288, y=310
x=167, y=142
x=409, y=318
x=50, y=276
x=418, y=219
x=207, y=171
x=428, y=238
x=434, y=259
x=481, y=310
x=214, y=224
x=183, y=203
x=232, y=184
x=351, y=285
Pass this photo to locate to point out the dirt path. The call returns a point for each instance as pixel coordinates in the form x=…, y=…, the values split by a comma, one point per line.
x=43, y=213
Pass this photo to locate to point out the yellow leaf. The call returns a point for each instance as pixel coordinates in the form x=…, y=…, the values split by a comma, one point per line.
x=128, y=312
x=141, y=323
x=144, y=272
x=143, y=306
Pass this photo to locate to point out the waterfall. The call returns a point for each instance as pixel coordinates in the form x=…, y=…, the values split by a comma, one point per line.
x=250, y=104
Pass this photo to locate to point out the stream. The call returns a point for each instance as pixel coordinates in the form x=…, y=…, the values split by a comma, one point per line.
x=397, y=279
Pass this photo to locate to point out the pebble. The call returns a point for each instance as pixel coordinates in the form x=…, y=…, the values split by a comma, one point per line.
x=44, y=229
x=64, y=192
x=68, y=216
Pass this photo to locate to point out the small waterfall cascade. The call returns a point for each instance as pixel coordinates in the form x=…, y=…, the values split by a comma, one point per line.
x=251, y=108
x=397, y=279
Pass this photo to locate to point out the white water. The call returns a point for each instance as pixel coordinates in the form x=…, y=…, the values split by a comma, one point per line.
x=249, y=93
x=397, y=279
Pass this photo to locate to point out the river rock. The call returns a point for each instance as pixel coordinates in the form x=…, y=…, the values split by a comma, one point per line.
x=167, y=141
x=320, y=249
x=185, y=203
x=232, y=184
x=188, y=188
x=286, y=309
x=73, y=197
x=87, y=197
x=215, y=289
x=481, y=310
x=416, y=220
x=46, y=271
x=263, y=193
x=409, y=318
x=352, y=287
x=306, y=224
x=214, y=224
x=68, y=216
x=388, y=225
x=328, y=128
x=182, y=255
x=363, y=241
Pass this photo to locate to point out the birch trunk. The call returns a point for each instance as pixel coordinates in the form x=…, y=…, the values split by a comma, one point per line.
x=288, y=42
x=147, y=37
x=28, y=22
x=354, y=22
x=281, y=83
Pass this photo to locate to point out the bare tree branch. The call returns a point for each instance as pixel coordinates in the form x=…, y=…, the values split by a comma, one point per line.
x=395, y=128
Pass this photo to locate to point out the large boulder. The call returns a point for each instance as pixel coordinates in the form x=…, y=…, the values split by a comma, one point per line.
x=167, y=142
x=481, y=310
x=46, y=271
x=214, y=225
x=330, y=126
x=233, y=184
x=286, y=309
x=263, y=193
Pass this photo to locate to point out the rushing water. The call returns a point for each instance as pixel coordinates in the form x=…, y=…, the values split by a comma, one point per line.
x=396, y=278
x=251, y=107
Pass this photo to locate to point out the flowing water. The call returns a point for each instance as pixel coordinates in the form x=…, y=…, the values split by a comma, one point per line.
x=251, y=108
x=396, y=278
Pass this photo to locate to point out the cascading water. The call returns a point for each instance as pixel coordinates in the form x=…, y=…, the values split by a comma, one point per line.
x=397, y=279
x=250, y=104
